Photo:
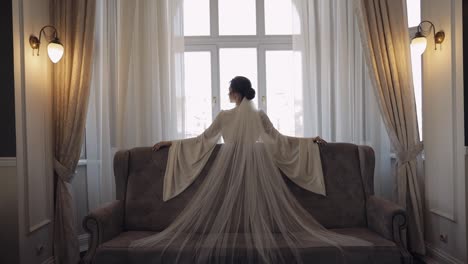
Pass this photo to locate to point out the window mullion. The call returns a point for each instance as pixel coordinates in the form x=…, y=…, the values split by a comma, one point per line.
x=260, y=10
x=261, y=68
x=214, y=21
x=214, y=31
x=215, y=80
x=234, y=40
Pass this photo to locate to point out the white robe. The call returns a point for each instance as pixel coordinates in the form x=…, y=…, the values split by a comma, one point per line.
x=298, y=158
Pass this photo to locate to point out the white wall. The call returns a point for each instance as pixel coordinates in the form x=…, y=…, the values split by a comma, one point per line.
x=444, y=133
x=33, y=133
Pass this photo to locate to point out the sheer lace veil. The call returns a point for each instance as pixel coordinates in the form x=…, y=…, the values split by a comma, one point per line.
x=243, y=212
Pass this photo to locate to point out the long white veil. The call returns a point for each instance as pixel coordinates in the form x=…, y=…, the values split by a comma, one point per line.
x=243, y=212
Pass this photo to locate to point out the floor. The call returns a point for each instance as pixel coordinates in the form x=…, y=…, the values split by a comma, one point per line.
x=416, y=260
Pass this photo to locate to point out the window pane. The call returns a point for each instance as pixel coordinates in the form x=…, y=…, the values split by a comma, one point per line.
x=417, y=82
x=282, y=95
x=83, y=150
x=197, y=92
x=237, y=17
x=275, y=9
x=236, y=62
x=414, y=12
x=196, y=17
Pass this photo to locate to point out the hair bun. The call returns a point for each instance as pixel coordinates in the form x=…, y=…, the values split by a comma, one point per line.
x=243, y=86
x=250, y=93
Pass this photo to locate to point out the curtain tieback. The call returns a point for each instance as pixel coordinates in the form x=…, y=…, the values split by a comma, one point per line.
x=409, y=155
x=62, y=171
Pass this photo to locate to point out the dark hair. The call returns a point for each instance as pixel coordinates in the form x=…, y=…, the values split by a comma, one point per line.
x=243, y=86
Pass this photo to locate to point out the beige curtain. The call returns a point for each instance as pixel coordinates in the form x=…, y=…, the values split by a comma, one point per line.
x=74, y=20
x=384, y=32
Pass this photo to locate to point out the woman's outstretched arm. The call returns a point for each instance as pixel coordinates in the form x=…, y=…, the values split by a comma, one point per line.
x=187, y=157
x=212, y=131
x=272, y=131
x=298, y=158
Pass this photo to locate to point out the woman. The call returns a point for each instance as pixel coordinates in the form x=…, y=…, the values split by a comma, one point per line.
x=242, y=89
x=243, y=212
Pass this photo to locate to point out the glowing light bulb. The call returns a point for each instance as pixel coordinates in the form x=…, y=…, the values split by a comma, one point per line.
x=55, y=50
x=418, y=45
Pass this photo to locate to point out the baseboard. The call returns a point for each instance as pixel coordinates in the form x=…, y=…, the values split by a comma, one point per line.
x=83, y=239
x=440, y=256
x=50, y=260
x=8, y=162
x=434, y=255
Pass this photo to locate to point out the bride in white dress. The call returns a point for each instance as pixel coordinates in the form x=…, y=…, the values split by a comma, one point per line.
x=243, y=212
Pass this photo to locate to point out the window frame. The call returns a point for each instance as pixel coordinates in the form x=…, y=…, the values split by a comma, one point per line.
x=261, y=42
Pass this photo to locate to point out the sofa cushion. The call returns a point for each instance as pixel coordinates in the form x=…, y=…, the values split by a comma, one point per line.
x=117, y=251
x=344, y=205
x=144, y=206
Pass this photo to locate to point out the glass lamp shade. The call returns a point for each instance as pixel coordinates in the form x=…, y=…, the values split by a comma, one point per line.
x=418, y=45
x=55, y=50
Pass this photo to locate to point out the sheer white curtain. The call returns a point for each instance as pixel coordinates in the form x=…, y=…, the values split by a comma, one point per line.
x=137, y=93
x=337, y=98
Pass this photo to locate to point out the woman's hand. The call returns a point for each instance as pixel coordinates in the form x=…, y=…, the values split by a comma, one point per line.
x=319, y=140
x=161, y=144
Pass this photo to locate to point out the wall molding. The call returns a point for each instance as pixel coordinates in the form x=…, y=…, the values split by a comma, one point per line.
x=50, y=260
x=444, y=154
x=8, y=162
x=447, y=216
x=440, y=256
x=33, y=123
x=84, y=242
x=39, y=225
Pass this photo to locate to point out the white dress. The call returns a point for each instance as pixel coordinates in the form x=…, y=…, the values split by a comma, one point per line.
x=297, y=158
x=243, y=212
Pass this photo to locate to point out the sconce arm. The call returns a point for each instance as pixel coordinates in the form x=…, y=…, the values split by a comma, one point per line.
x=438, y=37
x=429, y=22
x=43, y=31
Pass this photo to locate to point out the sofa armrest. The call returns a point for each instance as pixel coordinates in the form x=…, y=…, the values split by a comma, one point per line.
x=386, y=218
x=389, y=220
x=103, y=224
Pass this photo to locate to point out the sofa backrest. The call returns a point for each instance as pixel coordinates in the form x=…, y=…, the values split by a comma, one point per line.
x=348, y=173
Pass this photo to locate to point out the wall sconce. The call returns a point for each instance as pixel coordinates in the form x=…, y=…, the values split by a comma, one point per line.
x=419, y=42
x=55, y=47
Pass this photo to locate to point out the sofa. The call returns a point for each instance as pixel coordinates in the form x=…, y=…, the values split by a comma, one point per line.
x=350, y=208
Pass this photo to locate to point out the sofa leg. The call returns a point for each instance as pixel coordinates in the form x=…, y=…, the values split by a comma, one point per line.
x=86, y=259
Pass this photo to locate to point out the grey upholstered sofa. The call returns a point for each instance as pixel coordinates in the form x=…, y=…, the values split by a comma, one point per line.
x=350, y=207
